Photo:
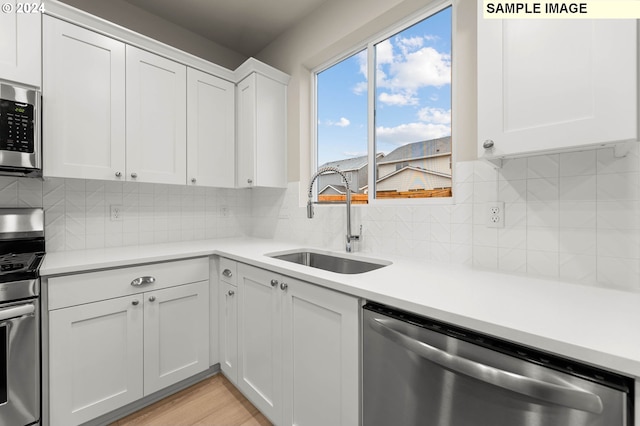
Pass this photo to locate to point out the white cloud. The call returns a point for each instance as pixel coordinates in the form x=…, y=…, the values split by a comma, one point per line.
x=425, y=67
x=360, y=88
x=399, y=99
x=343, y=122
x=435, y=115
x=384, y=52
x=411, y=132
x=410, y=44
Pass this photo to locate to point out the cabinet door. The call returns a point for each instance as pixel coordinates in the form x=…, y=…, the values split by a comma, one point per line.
x=176, y=334
x=83, y=103
x=95, y=359
x=156, y=118
x=20, y=36
x=555, y=84
x=261, y=132
x=229, y=331
x=247, y=132
x=260, y=340
x=210, y=130
x=321, y=367
x=271, y=146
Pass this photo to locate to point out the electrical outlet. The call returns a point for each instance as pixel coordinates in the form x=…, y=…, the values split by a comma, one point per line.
x=495, y=214
x=224, y=211
x=116, y=212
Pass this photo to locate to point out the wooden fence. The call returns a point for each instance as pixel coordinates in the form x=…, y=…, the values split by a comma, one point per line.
x=362, y=198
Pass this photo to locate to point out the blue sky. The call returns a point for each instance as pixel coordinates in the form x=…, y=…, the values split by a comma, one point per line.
x=413, y=93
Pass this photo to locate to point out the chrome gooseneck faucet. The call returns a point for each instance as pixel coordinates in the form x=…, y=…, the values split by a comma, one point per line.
x=326, y=170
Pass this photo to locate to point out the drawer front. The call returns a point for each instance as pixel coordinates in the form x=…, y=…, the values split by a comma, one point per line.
x=228, y=271
x=89, y=287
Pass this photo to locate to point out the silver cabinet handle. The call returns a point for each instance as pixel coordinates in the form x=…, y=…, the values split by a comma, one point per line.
x=274, y=283
x=488, y=144
x=249, y=181
x=135, y=303
x=134, y=175
x=284, y=286
x=152, y=299
x=193, y=180
x=143, y=281
x=118, y=174
x=555, y=394
x=17, y=311
x=227, y=273
x=231, y=292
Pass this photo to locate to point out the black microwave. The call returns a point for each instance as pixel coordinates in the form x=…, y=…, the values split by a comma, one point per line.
x=20, y=150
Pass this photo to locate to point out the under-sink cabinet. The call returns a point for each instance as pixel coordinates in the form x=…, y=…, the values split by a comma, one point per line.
x=118, y=335
x=553, y=85
x=297, y=346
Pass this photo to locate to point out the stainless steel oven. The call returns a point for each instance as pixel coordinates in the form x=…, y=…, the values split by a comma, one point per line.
x=21, y=252
x=19, y=131
x=418, y=371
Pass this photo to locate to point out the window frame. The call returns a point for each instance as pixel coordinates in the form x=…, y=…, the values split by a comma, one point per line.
x=368, y=45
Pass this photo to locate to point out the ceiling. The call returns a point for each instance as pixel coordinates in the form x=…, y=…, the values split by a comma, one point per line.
x=245, y=26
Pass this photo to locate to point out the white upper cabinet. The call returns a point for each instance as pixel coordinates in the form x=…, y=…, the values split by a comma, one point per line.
x=83, y=103
x=20, y=45
x=155, y=118
x=210, y=130
x=555, y=85
x=261, y=138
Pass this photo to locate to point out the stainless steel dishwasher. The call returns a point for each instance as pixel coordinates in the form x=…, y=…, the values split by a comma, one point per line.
x=418, y=371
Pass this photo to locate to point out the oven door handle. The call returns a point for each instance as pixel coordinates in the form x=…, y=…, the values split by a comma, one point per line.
x=556, y=394
x=17, y=311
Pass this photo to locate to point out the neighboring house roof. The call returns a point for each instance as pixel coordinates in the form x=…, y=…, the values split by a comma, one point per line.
x=416, y=169
x=415, y=150
x=340, y=189
x=350, y=164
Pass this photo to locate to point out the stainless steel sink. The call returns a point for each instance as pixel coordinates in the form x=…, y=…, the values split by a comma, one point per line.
x=331, y=262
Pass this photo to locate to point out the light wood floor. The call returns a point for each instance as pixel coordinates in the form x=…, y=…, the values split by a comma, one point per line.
x=212, y=402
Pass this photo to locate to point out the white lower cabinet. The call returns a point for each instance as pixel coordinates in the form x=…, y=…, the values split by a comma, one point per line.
x=95, y=358
x=105, y=354
x=229, y=331
x=297, y=349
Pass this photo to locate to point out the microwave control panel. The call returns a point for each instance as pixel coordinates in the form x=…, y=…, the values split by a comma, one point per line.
x=16, y=126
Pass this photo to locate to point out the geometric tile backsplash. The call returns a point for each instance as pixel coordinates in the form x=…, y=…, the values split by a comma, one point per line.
x=573, y=216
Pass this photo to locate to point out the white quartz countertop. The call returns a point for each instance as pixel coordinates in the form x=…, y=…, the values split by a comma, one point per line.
x=595, y=325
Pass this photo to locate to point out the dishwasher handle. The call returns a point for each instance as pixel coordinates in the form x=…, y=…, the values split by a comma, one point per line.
x=556, y=394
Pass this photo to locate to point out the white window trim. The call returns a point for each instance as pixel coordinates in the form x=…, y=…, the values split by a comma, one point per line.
x=369, y=45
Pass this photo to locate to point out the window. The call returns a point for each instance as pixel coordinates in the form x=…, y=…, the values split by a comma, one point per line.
x=406, y=122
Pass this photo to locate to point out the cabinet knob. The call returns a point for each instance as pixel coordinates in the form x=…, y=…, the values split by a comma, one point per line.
x=152, y=299
x=134, y=175
x=284, y=286
x=193, y=180
x=231, y=292
x=488, y=144
x=249, y=181
x=227, y=273
x=274, y=283
x=118, y=174
x=135, y=303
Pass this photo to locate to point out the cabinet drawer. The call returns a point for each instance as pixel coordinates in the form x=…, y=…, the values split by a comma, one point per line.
x=228, y=271
x=93, y=286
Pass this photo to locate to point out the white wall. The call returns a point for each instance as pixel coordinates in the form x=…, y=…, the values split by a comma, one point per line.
x=573, y=216
x=77, y=211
